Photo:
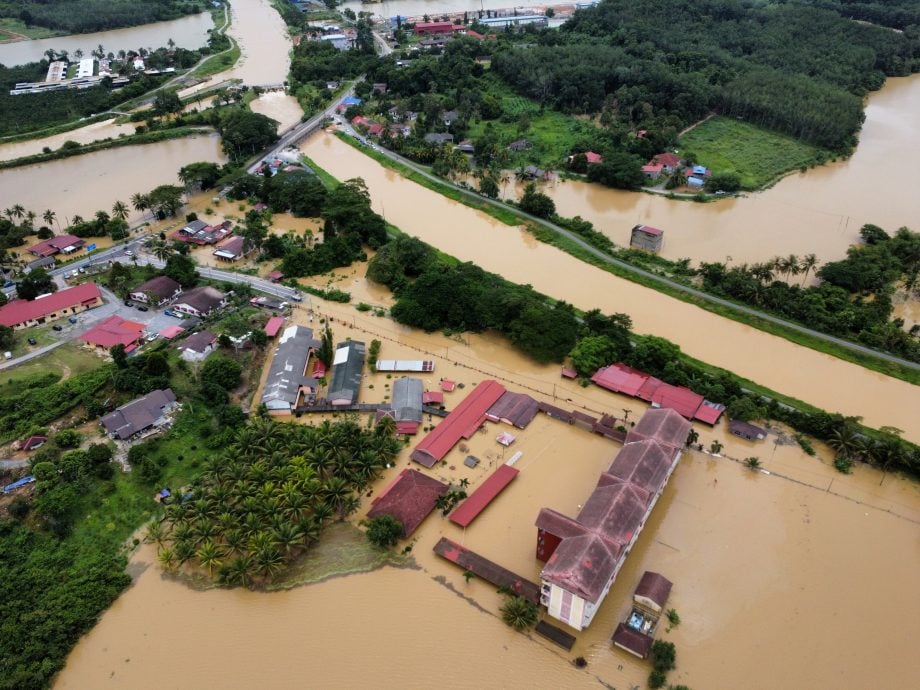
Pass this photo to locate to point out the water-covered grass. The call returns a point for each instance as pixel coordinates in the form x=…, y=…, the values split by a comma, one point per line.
x=758, y=155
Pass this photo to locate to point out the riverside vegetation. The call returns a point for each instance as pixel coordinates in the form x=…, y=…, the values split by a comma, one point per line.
x=84, y=16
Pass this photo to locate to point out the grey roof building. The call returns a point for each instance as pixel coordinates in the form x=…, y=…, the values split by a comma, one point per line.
x=157, y=290
x=138, y=415
x=434, y=138
x=200, y=301
x=346, y=373
x=407, y=400
x=287, y=378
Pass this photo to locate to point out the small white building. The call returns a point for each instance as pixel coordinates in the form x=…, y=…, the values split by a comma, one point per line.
x=86, y=68
x=198, y=346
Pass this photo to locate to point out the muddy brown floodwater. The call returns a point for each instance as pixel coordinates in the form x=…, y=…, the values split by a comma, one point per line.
x=777, y=576
x=819, y=211
x=471, y=235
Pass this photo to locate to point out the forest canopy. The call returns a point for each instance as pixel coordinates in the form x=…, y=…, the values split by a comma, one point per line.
x=83, y=16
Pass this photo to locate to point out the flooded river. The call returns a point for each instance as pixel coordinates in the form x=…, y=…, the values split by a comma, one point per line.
x=188, y=32
x=84, y=184
x=470, y=235
x=84, y=135
x=819, y=211
x=763, y=567
x=412, y=8
x=264, y=43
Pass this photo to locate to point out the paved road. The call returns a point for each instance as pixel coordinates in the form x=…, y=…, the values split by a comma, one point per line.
x=853, y=347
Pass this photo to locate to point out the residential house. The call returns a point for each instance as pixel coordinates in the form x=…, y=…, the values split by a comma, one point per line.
x=346, y=373
x=694, y=182
x=273, y=326
x=46, y=262
x=198, y=346
x=746, y=430
x=652, y=171
x=275, y=276
x=332, y=85
x=439, y=138
x=400, y=130
x=200, y=301
x=583, y=555
x=466, y=146
x=341, y=42
x=636, y=634
x=20, y=313
x=532, y=172
x=156, y=291
x=700, y=171
x=66, y=244
x=149, y=411
x=646, y=237
x=407, y=404
x=448, y=117
x=668, y=161
x=115, y=331
x=232, y=249
x=360, y=121
x=379, y=88
x=200, y=233
x=520, y=145
x=375, y=129
x=287, y=383
x=409, y=498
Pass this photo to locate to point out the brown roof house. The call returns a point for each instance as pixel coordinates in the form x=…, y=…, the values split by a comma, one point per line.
x=409, y=499
x=198, y=346
x=584, y=554
x=139, y=415
x=636, y=633
x=200, y=301
x=156, y=291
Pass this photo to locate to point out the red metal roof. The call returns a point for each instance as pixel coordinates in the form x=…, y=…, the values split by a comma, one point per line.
x=447, y=386
x=708, y=413
x=275, y=276
x=33, y=442
x=114, y=331
x=461, y=423
x=483, y=495
x=273, y=326
x=664, y=426
x=678, y=398
x=671, y=160
x=594, y=157
x=432, y=398
x=569, y=373
x=171, y=332
x=54, y=245
x=319, y=369
x=409, y=498
x=649, y=230
x=620, y=378
x=407, y=428
x=19, y=310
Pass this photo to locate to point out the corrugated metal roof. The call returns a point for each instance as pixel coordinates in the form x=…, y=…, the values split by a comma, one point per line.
x=20, y=310
x=346, y=373
x=484, y=494
x=407, y=400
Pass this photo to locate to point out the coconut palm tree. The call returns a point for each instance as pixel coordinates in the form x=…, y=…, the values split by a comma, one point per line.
x=809, y=261
x=519, y=613
x=752, y=463
x=30, y=219
x=845, y=441
x=209, y=555
x=49, y=217
x=18, y=211
x=141, y=202
x=120, y=210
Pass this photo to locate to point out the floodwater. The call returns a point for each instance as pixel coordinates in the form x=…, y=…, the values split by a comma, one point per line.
x=470, y=235
x=284, y=109
x=817, y=212
x=763, y=569
x=81, y=185
x=83, y=135
x=264, y=43
x=188, y=32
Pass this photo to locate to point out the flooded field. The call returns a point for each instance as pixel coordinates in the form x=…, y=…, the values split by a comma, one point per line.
x=760, y=562
x=819, y=211
x=284, y=109
x=81, y=185
x=188, y=32
x=83, y=135
x=471, y=235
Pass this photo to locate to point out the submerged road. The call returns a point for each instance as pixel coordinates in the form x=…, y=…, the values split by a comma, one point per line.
x=607, y=258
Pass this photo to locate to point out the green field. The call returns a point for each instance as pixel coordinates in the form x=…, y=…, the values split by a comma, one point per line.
x=758, y=155
x=66, y=360
x=9, y=27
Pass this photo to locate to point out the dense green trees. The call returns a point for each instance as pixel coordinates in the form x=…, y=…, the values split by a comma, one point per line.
x=36, y=283
x=265, y=499
x=384, y=531
x=536, y=203
x=244, y=132
x=84, y=16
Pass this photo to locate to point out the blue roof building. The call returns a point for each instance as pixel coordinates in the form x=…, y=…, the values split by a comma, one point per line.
x=695, y=182
x=351, y=100
x=699, y=170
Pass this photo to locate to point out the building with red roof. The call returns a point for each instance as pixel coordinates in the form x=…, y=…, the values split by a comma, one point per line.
x=21, y=313
x=484, y=494
x=171, y=332
x=33, y=443
x=433, y=28
x=57, y=244
x=375, y=129
x=273, y=326
x=409, y=498
x=432, y=398
x=593, y=158
x=584, y=554
x=669, y=161
x=114, y=331
x=463, y=422
x=652, y=171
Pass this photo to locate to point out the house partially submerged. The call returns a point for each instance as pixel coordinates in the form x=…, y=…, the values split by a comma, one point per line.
x=346, y=373
x=746, y=430
x=287, y=384
x=66, y=244
x=232, y=249
x=149, y=411
x=584, y=554
x=407, y=405
x=637, y=634
x=200, y=301
x=409, y=498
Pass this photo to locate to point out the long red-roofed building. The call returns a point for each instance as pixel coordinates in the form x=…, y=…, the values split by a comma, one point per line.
x=462, y=422
x=56, y=244
x=584, y=554
x=409, y=498
x=484, y=494
x=22, y=313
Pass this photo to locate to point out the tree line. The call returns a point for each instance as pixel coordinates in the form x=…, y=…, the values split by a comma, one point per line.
x=85, y=16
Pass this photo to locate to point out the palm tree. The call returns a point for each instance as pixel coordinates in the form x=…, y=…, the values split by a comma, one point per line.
x=239, y=571
x=809, y=261
x=162, y=250
x=209, y=556
x=692, y=437
x=845, y=441
x=78, y=53
x=49, y=217
x=120, y=210
x=519, y=613
x=752, y=463
x=167, y=558
x=30, y=219
x=715, y=447
x=386, y=426
x=141, y=202
x=287, y=537
x=18, y=211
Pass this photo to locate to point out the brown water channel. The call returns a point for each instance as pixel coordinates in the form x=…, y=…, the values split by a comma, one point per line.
x=470, y=235
x=819, y=211
x=768, y=568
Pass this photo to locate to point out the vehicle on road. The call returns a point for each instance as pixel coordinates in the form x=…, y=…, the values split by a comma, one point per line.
x=57, y=328
x=297, y=297
x=174, y=314
x=72, y=319
x=127, y=303
x=142, y=307
x=128, y=252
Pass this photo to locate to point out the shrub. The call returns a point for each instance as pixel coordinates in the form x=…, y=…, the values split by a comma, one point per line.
x=519, y=613
x=384, y=531
x=657, y=679
x=843, y=464
x=663, y=656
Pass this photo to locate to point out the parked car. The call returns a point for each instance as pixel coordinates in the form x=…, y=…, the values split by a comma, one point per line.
x=55, y=327
x=32, y=341
x=127, y=303
x=72, y=319
x=174, y=314
x=128, y=252
x=143, y=308
x=297, y=297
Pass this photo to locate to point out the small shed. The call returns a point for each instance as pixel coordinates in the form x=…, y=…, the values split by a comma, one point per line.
x=34, y=442
x=694, y=182
x=646, y=237
x=432, y=398
x=447, y=386
x=569, y=373
x=747, y=431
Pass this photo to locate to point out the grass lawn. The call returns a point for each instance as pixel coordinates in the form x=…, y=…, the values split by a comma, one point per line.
x=67, y=359
x=9, y=28
x=219, y=62
x=758, y=155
